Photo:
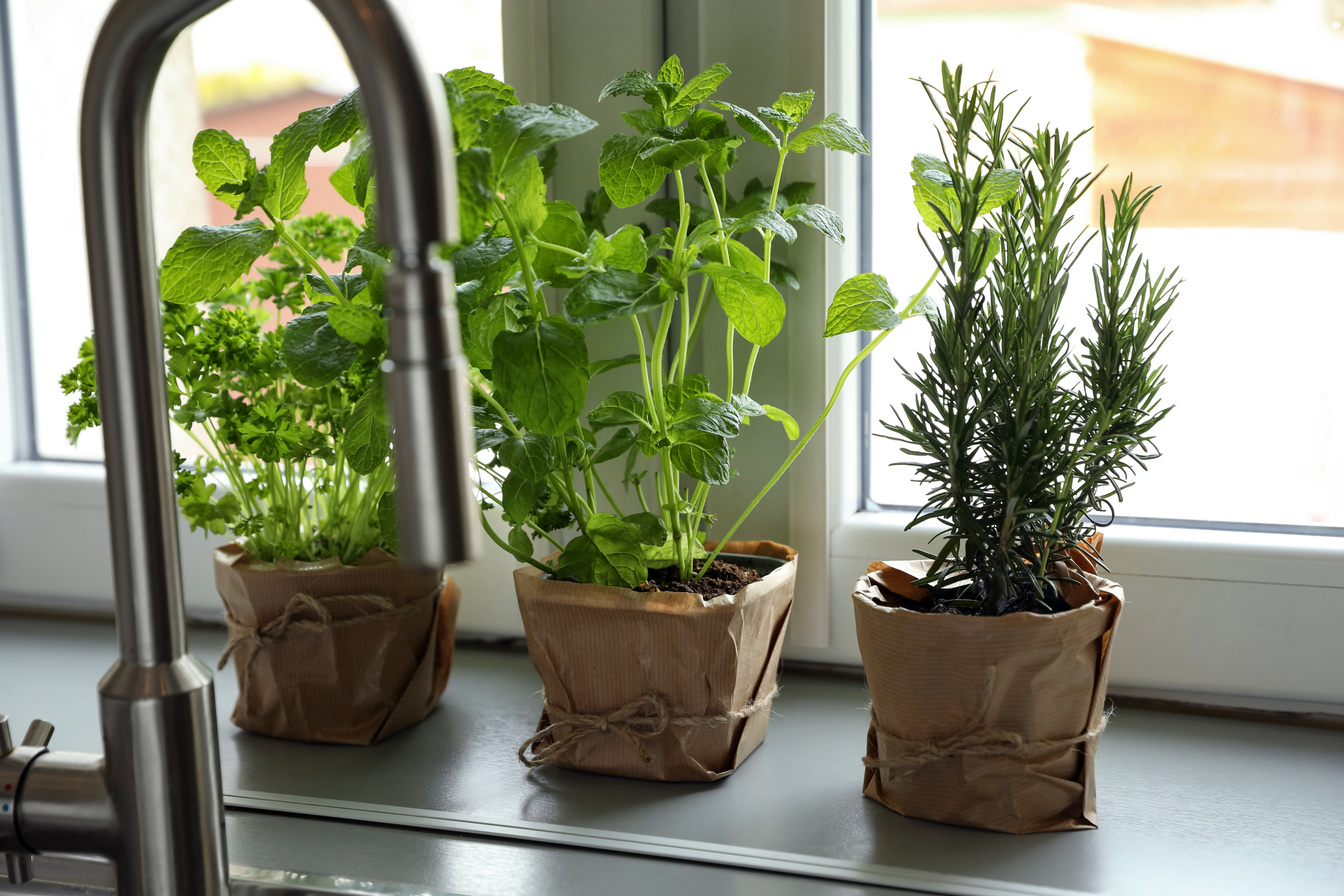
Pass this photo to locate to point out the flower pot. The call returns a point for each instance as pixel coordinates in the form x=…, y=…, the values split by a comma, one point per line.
x=663, y=686
x=987, y=722
x=332, y=653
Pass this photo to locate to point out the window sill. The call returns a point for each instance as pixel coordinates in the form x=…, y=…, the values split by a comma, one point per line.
x=1186, y=804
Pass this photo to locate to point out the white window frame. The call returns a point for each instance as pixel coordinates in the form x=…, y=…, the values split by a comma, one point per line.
x=1238, y=615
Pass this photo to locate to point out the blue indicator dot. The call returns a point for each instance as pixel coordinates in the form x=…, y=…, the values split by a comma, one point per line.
x=4, y=808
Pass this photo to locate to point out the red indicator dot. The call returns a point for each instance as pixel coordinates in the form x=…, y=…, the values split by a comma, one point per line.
x=8, y=787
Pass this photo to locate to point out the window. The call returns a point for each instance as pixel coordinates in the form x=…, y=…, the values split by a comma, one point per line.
x=1237, y=109
x=1214, y=611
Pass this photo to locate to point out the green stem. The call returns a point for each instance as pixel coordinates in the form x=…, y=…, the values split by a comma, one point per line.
x=797, y=449
x=555, y=248
x=534, y=298
x=307, y=259
x=728, y=351
x=644, y=365
x=751, y=368
x=490, y=400
x=503, y=544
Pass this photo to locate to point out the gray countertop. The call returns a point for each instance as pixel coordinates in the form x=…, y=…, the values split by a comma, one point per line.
x=1186, y=804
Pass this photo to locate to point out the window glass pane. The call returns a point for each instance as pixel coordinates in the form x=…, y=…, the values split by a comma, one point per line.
x=248, y=68
x=1237, y=109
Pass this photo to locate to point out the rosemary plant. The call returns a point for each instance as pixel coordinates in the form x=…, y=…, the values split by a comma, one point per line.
x=1024, y=443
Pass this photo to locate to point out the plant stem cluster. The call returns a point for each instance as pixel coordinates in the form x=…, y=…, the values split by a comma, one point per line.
x=1023, y=443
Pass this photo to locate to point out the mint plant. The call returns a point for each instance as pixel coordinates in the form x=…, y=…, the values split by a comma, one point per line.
x=273, y=337
x=540, y=272
x=1025, y=444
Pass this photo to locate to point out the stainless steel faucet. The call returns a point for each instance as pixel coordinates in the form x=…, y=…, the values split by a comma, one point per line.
x=153, y=802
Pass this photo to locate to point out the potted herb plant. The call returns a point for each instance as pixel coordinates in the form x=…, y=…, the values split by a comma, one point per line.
x=273, y=337
x=657, y=656
x=987, y=661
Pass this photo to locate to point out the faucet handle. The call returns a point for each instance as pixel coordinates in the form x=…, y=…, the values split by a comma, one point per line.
x=39, y=733
x=19, y=867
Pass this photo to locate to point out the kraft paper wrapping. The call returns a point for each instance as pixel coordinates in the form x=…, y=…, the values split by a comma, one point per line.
x=987, y=722
x=332, y=653
x=662, y=685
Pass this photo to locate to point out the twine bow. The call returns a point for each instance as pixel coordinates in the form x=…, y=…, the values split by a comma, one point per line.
x=277, y=629
x=642, y=718
x=912, y=755
x=973, y=740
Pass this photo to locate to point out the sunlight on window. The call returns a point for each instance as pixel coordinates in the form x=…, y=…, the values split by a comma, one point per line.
x=228, y=72
x=1237, y=109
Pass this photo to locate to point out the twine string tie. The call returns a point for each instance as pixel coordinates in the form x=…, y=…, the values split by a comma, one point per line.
x=642, y=718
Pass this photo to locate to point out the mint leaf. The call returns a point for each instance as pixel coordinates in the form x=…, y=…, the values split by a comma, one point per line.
x=620, y=442
x=628, y=177
x=348, y=285
x=701, y=455
x=204, y=260
x=747, y=407
x=671, y=72
x=1001, y=186
x=753, y=306
x=634, y=83
x=223, y=164
x=341, y=121
x=863, y=302
x=563, y=227
x=675, y=154
x=611, y=364
x=357, y=323
x=832, y=132
x=613, y=293
x=706, y=413
x=820, y=218
x=748, y=121
x=647, y=528
x=790, y=425
x=629, y=251
x=933, y=192
x=531, y=455
x=351, y=179
x=991, y=250
x=543, y=373
x=797, y=192
x=367, y=434
x=643, y=120
x=620, y=409
x=697, y=90
x=502, y=312
x=312, y=349
x=519, y=495
x=795, y=105
x=481, y=258
x=518, y=132
x=525, y=188
x=286, y=186
x=767, y=220
x=475, y=190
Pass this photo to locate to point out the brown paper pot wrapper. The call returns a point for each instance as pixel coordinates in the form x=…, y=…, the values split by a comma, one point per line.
x=332, y=653
x=987, y=722
x=661, y=686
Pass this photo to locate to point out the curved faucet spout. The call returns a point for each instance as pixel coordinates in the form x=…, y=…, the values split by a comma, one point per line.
x=157, y=702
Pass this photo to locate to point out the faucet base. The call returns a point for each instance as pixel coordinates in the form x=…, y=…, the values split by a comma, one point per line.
x=162, y=774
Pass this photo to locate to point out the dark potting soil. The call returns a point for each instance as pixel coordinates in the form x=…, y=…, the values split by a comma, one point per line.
x=723, y=578
x=952, y=600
